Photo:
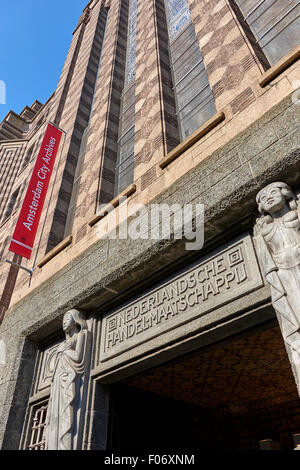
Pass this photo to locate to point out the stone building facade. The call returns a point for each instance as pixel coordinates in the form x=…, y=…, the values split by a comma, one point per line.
x=161, y=102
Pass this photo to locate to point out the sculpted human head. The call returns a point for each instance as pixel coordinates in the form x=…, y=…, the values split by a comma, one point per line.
x=68, y=321
x=73, y=319
x=274, y=197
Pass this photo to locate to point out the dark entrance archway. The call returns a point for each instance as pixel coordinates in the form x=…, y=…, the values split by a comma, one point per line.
x=229, y=396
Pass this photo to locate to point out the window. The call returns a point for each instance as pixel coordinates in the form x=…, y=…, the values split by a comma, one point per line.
x=27, y=157
x=275, y=24
x=38, y=426
x=125, y=161
x=11, y=204
x=41, y=121
x=194, y=98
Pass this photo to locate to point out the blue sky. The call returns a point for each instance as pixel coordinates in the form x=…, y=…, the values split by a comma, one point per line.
x=35, y=36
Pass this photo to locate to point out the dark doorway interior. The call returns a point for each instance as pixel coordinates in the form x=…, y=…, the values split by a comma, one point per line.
x=144, y=420
x=229, y=397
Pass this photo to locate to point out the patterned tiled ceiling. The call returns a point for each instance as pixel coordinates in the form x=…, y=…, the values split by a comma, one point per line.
x=251, y=368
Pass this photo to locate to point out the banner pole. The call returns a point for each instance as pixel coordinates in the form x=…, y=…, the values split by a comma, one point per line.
x=50, y=197
x=19, y=266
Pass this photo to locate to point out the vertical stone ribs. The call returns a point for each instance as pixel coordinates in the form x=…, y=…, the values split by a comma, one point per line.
x=150, y=135
x=81, y=122
x=110, y=147
x=172, y=137
x=251, y=38
x=70, y=74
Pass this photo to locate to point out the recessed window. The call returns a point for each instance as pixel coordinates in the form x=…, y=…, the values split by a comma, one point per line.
x=27, y=157
x=37, y=434
x=125, y=161
x=275, y=25
x=194, y=97
x=11, y=203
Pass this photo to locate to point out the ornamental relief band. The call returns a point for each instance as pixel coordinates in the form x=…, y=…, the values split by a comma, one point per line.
x=222, y=277
x=277, y=240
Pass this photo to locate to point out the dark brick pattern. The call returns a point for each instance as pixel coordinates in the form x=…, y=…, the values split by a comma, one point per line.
x=209, y=17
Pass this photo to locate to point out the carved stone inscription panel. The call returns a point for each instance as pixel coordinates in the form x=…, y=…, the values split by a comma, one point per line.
x=217, y=279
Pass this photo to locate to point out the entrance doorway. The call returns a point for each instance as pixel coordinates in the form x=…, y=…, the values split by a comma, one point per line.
x=230, y=396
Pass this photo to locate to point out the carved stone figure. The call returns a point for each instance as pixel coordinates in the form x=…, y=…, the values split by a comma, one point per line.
x=277, y=239
x=67, y=388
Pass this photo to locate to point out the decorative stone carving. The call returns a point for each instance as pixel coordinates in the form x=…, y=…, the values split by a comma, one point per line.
x=47, y=366
x=68, y=384
x=277, y=239
x=220, y=277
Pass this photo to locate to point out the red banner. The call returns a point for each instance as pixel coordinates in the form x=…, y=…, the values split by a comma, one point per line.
x=28, y=221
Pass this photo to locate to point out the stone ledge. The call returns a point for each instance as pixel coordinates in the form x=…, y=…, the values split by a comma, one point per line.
x=60, y=247
x=192, y=139
x=114, y=202
x=280, y=67
x=43, y=394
